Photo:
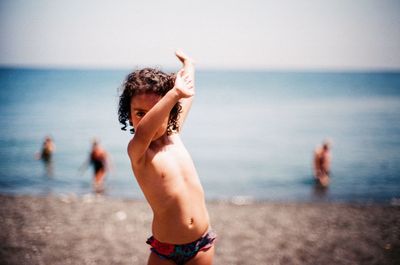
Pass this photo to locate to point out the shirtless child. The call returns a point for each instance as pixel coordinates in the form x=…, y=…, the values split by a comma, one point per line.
x=156, y=104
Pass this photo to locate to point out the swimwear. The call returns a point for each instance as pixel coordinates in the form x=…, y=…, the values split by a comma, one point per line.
x=98, y=164
x=46, y=155
x=180, y=254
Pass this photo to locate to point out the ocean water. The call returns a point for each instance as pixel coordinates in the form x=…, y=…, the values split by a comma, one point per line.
x=251, y=134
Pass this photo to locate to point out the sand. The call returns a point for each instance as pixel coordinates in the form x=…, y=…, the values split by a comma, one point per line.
x=103, y=230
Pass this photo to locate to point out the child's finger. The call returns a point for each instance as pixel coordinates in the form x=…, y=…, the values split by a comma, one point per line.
x=180, y=72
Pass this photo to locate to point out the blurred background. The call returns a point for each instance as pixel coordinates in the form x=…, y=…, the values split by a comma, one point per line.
x=274, y=79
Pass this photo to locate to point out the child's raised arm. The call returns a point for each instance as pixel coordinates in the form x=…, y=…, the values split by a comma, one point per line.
x=151, y=122
x=188, y=68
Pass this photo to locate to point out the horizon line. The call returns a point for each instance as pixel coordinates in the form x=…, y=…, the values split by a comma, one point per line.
x=205, y=69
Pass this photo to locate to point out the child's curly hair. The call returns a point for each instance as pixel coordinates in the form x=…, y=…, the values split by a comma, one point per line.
x=147, y=80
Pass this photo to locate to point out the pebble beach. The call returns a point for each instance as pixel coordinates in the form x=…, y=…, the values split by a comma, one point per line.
x=103, y=230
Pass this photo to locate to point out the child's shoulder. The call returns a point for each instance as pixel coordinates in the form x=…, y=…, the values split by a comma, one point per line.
x=130, y=151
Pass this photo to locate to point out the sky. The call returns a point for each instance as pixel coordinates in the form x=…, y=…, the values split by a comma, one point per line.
x=284, y=34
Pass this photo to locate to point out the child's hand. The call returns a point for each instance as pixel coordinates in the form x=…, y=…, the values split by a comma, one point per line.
x=183, y=57
x=184, y=85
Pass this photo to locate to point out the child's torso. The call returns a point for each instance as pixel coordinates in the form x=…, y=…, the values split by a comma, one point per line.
x=170, y=183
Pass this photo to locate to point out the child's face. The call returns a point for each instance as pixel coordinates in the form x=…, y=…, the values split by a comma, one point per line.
x=140, y=105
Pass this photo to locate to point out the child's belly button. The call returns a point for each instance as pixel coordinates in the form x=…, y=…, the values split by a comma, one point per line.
x=191, y=222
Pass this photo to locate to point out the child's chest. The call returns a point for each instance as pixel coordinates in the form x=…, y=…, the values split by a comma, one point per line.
x=172, y=159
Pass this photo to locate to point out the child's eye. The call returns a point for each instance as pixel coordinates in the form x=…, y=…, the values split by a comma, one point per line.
x=140, y=114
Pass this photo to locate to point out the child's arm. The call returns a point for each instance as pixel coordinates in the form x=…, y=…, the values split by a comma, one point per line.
x=188, y=68
x=151, y=122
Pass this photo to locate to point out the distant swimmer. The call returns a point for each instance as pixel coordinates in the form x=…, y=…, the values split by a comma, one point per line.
x=98, y=158
x=322, y=163
x=48, y=147
x=46, y=154
x=99, y=161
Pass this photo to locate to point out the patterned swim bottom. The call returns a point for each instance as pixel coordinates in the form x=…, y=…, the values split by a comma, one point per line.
x=181, y=254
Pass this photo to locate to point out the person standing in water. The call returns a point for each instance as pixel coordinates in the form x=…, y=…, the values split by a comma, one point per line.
x=48, y=147
x=322, y=164
x=46, y=154
x=99, y=159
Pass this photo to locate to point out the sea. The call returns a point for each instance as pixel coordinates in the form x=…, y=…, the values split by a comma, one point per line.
x=251, y=134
